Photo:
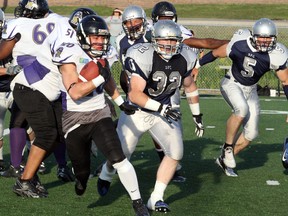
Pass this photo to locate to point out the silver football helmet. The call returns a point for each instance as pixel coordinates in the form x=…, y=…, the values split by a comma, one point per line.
x=264, y=28
x=134, y=32
x=167, y=30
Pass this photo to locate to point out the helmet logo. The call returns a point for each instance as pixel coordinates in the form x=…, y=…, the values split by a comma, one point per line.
x=76, y=18
x=31, y=4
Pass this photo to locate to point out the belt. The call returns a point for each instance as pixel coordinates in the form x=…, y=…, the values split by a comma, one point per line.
x=22, y=87
x=229, y=77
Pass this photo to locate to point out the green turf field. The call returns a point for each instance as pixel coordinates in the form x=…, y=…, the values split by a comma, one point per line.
x=207, y=190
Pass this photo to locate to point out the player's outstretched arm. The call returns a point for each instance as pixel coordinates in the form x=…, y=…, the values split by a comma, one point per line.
x=205, y=43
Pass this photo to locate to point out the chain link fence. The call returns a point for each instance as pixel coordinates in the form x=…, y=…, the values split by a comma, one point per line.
x=210, y=75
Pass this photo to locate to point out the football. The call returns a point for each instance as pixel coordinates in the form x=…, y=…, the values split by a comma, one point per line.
x=90, y=71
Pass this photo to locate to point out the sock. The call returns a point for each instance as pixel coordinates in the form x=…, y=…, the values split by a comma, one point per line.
x=107, y=174
x=60, y=154
x=17, y=143
x=158, y=192
x=1, y=153
x=227, y=145
x=128, y=178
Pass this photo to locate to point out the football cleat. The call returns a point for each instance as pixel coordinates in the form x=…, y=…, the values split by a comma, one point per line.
x=178, y=177
x=227, y=170
x=159, y=206
x=79, y=188
x=12, y=172
x=39, y=186
x=103, y=186
x=25, y=188
x=285, y=154
x=42, y=168
x=2, y=166
x=64, y=174
x=228, y=157
x=139, y=208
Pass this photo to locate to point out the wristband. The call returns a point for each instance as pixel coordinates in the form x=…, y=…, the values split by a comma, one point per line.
x=152, y=105
x=285, y=88
x=197, y=66
x=209, y=57
x=195, y=108
x=192, y=94
x=119, y=100
x=98, y=81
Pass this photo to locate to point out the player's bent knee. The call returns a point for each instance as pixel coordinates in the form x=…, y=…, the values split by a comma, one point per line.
x=251, y=135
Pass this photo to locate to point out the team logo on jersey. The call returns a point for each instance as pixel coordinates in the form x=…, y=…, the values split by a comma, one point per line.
x=83, y=60
x=58, y=52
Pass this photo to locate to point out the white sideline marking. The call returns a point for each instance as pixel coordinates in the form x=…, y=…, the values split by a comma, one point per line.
x=272, y=182
x=210, y=126
x=269, y=129
x=273, y=112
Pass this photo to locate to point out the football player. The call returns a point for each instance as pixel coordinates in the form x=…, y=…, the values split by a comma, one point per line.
x=252, y=54
x=36, y=89
x=86, y=116
x=157, y=70
x=6, y=98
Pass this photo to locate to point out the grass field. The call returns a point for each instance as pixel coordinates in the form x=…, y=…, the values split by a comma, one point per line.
x=207, y=190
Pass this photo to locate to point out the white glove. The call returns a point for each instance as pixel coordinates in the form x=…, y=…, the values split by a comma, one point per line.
x=199, y=130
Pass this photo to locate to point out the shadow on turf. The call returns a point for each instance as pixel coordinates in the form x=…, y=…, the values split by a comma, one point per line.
x=194, y=166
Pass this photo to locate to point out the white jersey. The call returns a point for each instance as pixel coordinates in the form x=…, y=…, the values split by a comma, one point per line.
x=95, y=100
x=34, y=52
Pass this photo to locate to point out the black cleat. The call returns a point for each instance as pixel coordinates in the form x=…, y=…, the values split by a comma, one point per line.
x=139, y=208
x=39, y=186
x=42, y=168
x=103, y=187
x=178, y=177
x=12, y=172
x=79, y=188
x=64, y=174
x=25, y=188
x=2, y=166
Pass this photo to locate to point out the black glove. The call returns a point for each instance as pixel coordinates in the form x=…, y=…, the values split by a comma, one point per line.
x=128, y=108
x=13, y=70
x=199, y=130
x=104, y=71
x=169, y=113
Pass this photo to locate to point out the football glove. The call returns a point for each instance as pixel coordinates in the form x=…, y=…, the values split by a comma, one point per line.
x=128, y=108
x=13, y=70
x=199, y=130
x=104, y=71
x=170, y=114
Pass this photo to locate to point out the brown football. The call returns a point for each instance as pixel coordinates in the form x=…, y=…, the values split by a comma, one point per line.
x=90, y=71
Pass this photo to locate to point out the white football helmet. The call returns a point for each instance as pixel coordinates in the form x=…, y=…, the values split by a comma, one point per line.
x=264, y=28
x=130, y=13
x=167, y=30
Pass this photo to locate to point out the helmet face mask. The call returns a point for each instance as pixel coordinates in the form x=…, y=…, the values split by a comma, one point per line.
x=34, y=9
x=78, y=14
x=134, y=22
x=89, y=26
x=163, y=9
x=264, y=35
x=167, y=39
